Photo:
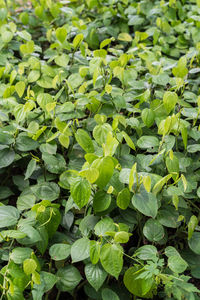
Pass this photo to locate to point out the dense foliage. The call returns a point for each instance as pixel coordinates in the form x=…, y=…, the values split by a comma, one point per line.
x=99, y=149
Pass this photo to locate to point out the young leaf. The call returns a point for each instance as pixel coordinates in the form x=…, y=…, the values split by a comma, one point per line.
x=170, y=99
x=158, y=186
x=132, y=175
x=193, y=222
x=77, y=40
x=125, y=37
x=29, y=266
x=20, y=88
x=106, y=169
x=123, y=198
x=146, y=180
x=61, y=34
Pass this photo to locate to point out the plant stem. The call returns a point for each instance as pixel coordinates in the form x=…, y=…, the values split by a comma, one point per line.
x=58, y=295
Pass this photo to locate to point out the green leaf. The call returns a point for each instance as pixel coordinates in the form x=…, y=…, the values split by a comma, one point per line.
x=184, y=134
x=95, y=275
x=87, y=224
x=20, y=254
x=177, y=264
x=168, y=217
x=61, y=34
x=24, y=35
x=84, y=140
x=55, y=164
x=137, y=286
x=132, y=176
x=20, y=88
x=33, y=76
x=109, y=294
x=43, y=99
x=181, y=70
x=153, y=230
x=171, y=251
x=170, y=99
x=27, y=48
x=46, y=191
x=68, y=278
x=32, y=235
x=50, y=218
x=159, y=185
x=6, y=36
x=148, y=116
x=146, y=203
x=45, y=82
x=101, y=201
x=121, y=237
x=106, y=169
x=62, y=60
x=193, y=148
x=64, y=140
x=95, y=250
x=9, y=216
x=193, y=222
x=194, y=243
x=147, y=252
x=128, y=140
x=111, y=258
x=80, y=191
x=125, y=37
x=172, y=164
x=25, y=143
x=75, y=80
x=29, y=266
x=123, y=198
x=78, y=40
x=30, y=168
x=146, y=180
x=6, y=157
x=106, y=224
x=100, y=133
x=13, y=234
x=146, y=142
x=43, y=243
x=91, y=174
x=59, y=251
x=80, y=249
x=49, y=280
x=25, y=201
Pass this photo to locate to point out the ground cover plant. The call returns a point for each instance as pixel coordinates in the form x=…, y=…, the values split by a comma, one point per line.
x=99, y=149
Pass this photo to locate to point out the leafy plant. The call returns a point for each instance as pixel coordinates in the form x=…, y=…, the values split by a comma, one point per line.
x=99, y=149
